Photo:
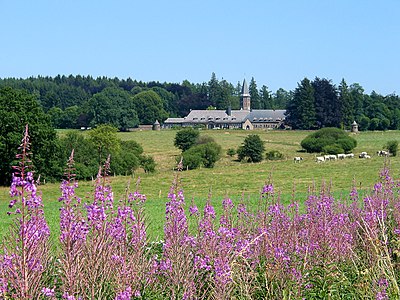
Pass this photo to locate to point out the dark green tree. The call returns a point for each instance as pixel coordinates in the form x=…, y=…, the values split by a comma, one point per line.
x=346, y=106
x=392, y=147
x=300, y=113
x=112, y=106
x=357, y=98
x=266, y=98
x=18, y=108
x=149, y=107
x=327, y=108
x=281, y=98
x=186, y=138
x=254, y=95
x=252, y=149
x=214, y=90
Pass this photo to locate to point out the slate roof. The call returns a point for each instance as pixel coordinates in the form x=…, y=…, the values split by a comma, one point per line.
x=174, y=120
x=218, y=116
x=245, y=89
x=266, y=115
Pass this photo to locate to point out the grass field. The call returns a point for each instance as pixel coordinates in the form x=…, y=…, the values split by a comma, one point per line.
x=230, y=177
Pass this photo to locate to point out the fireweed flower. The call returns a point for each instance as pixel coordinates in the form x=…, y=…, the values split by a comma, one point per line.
x=26, y=247
x=268, y=189
x=48, y=292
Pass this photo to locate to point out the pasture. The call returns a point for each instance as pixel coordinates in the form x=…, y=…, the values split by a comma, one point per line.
x=230, y=178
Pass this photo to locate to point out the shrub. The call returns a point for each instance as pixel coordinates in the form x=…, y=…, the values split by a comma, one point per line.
x=252, y=149
x=186, y=138
x=316, y=141
x=203, y=154
x=148, y=164
x=231, y=152
x=392, y=147
x=332, y=149
x=191, y=159
x=274, y=155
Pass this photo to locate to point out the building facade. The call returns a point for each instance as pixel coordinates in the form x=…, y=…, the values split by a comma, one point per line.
x=245, y=118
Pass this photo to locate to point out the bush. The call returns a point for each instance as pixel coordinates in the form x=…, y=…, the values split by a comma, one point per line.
x=317, y=141
x=392, y=147
x=191, y=159
x=332, y=149
x=231, y=152
x=148, y=164
x=252, y=149
x=203, y=154
x=274, y=155
x=186, y=138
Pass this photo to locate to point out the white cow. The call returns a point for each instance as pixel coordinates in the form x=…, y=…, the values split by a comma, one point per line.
x=320, y=159
x=382, y=153
x=341, y=156
x=350, y=155
x=297, y=159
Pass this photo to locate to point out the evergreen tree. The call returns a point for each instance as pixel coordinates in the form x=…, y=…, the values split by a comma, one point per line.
x=346, y=105
x=300, y=113
x=214, y=90
x=327, y=106
x=254, y=95
x=281, y=98
x=357, y=98
x=266, y=99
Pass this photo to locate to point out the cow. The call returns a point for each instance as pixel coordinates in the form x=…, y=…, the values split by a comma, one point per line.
x=382, y=153
x=341, y=156
x=320, y=159
x=297, y=159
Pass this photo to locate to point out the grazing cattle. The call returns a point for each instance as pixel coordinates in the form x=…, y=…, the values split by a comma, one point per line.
x=297, y=159
x=382, y=153
x=327, y=157
x=320, y=159
x=341, y=156
x=363, y=154
x=367, y=156
x=332, y=157
x=350, y=155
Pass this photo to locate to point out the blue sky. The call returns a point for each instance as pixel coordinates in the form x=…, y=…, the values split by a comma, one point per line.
x=276, y=42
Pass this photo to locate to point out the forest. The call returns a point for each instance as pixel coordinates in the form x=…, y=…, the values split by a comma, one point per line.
x=83, y=101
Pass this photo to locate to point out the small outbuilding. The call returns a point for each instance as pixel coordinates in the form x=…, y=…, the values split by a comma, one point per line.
x=354, y=127
x=156, y=125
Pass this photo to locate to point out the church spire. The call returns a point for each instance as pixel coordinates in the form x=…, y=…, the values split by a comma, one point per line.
x=245, y=97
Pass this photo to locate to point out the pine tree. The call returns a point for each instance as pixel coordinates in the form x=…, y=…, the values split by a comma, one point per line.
x=346, y=105
x=255, y=96
x=327, y=106
x=300, y=113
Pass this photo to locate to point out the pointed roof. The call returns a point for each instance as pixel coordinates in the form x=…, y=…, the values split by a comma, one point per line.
x=245, y=88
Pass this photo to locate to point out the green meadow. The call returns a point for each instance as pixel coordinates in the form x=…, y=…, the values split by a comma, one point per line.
x=230, y=178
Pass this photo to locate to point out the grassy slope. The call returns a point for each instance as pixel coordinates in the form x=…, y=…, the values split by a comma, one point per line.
x=229, y=177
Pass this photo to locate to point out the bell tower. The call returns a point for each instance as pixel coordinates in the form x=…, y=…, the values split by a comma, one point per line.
x=245, y=97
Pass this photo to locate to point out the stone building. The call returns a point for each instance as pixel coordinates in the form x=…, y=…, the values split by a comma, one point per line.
x=245, y=118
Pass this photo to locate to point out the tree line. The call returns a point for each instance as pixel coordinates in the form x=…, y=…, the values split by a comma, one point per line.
x=84, y=101
x=320, y=103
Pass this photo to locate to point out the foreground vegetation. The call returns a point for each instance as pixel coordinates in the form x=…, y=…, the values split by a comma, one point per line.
x=229, y=177
x=334, y=248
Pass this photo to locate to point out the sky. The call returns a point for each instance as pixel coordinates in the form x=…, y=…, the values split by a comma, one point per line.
x=276, y=42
